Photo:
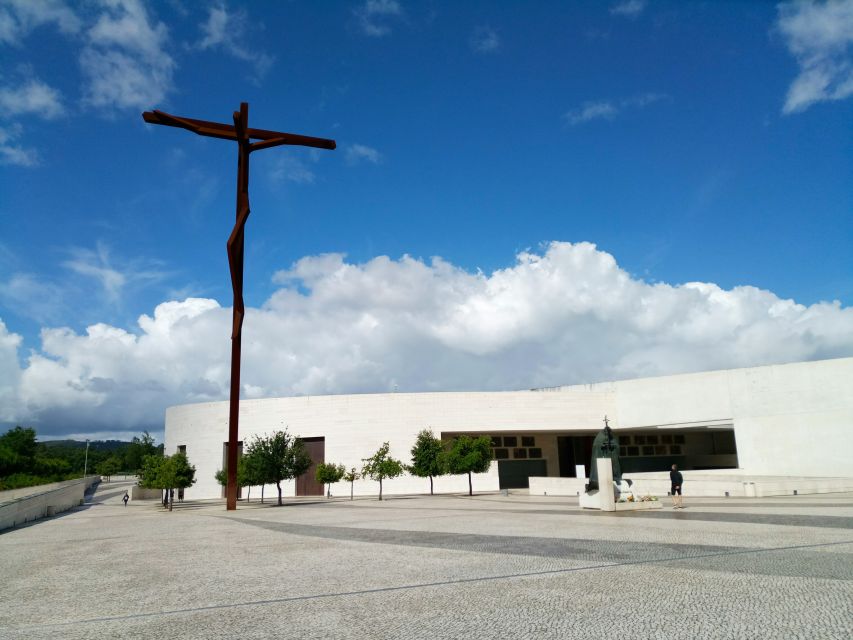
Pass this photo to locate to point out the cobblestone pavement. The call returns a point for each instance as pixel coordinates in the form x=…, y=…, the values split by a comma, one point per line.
x=432, y=567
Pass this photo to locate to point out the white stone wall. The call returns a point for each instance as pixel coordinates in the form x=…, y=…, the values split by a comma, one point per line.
x=789, y=420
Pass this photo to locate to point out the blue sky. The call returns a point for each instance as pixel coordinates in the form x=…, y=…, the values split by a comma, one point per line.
x=688, y=142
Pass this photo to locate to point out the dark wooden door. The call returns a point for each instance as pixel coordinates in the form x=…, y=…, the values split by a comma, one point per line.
x=306, y=484
x=515, y=474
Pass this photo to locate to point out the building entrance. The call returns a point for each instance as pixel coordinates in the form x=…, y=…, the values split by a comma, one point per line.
x=515, y=474
x=306, y=484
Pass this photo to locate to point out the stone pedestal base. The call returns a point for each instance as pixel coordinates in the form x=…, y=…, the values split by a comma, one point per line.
x=605, y=498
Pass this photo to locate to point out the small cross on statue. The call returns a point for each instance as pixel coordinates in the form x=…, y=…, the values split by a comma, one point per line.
x=240, y=133
x=608, y=436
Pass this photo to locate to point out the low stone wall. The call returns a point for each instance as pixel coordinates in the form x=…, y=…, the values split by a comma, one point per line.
x=14, y=494
x=46, y=502
x=703, y=484
x=138, y=493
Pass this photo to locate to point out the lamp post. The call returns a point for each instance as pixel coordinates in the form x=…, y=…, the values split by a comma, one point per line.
x=86, y=459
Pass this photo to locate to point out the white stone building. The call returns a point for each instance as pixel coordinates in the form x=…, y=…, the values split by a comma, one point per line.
x=790, y=420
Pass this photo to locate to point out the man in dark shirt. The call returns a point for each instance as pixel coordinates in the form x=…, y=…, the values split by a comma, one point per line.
x=677, y=481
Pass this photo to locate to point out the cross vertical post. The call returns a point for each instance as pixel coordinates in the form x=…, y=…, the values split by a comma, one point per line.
x=242, y=135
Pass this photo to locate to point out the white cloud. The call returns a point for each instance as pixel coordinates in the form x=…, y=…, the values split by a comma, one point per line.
x=227, y=31
x=357, y=153
x=290, y=169
x=602, y=109
x=33, y=97
x=485, y=40
x=16, y=154
x=374, y=15
x=32, y=297
x=19, y=17
x=819, y=36
x=125, y=61
x=567, y=314
x=608, y=109
x=96, y=264
x=628, y=8
x=113, y=280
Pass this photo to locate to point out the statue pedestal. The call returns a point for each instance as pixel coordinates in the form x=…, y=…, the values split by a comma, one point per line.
x=605, y=498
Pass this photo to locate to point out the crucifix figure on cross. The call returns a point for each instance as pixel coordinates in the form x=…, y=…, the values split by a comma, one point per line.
x=243, y=136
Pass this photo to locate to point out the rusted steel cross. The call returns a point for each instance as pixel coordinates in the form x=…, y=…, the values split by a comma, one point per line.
x=243, y=136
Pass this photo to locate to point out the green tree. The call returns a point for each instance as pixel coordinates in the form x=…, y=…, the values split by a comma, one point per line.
x=351, y=476
x=136, y=451
x=18, y=449
x=246, y=475
x=167, y=473
x=469, y=455
x=251, y=473
x=149, y=472
x=427, y=459
x=280, y=456
x=329, y=474
x=109, y=467
x=381, y=465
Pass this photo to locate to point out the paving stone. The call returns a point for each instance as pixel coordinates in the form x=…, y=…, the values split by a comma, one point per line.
x=431, y=567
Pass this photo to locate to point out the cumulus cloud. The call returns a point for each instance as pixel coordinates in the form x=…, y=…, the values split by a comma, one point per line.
x=609, y=109
x=374, y=16
x=33, y=97
x=485, y=40
x=227, y=31
x=628, y=8
x=566, y=314
x=819, y=36
x=358, y=153
x=125, y=60
x=19, y=17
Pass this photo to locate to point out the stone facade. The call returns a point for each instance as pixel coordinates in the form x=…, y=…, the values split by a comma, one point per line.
x=788, y=420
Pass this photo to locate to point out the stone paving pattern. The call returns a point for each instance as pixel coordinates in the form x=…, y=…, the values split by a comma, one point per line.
x=432, y=567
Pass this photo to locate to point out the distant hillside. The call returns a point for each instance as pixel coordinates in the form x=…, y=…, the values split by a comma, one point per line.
x=96, y=445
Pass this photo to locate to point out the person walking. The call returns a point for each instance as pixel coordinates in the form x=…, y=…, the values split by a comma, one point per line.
x=126, y=498
x=677, y=481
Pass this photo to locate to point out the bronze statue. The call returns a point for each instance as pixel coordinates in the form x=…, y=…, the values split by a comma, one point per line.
x=605, y=445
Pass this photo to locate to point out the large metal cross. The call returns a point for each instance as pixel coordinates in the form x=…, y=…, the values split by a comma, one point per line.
x=243, y=136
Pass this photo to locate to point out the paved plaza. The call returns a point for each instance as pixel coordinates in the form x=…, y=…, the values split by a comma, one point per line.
x=490, y=566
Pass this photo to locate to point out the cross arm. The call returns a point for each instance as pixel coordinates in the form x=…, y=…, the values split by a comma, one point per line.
x=227, y=131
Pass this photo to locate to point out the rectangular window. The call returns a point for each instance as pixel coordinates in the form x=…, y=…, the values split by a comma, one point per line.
x=496, y=441
x=675, y=449
x=666, y=439
x=678, y=438
x=623, y=451
x=182, y=448
x=519, y=453
x=724, y=442
x=510, y=441
x=648, y=450
x=651, y=439
x=528, y=441
x=660, y=450
x=535, y=452
x=639, y=439
x=501, y=454
x=633, y=451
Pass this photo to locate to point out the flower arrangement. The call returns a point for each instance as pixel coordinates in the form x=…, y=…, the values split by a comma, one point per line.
x=632, y=498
